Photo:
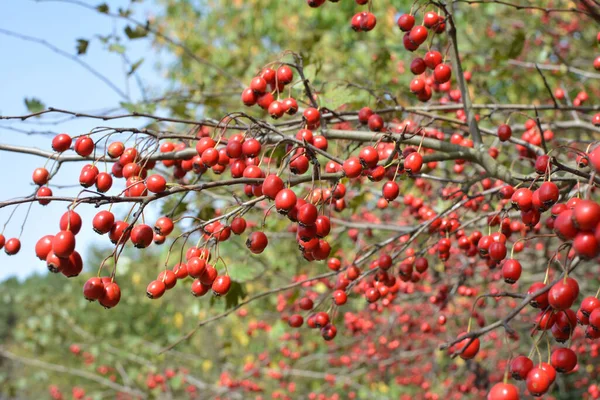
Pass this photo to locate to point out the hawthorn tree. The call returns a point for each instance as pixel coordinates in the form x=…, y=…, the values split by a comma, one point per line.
x=407, y=182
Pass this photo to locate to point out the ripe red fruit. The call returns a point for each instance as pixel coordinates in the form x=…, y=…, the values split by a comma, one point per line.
x=589, y=304
x=520, y=367
x=368, y=21
x=249, y=97
x=285, y=200
x=307, y=214
x=238, y=225
x=296, y=321
x=258, y=85
x=199, y=289
x=503, y=391
x=430, y=19
x=204, y=144
x=548, y=194
x=195, y=267
x=375, y=123
x=390, y=190
x=43, y=247
x=84, y=146
x=497, y=251
x=467, y=348
x=42, y=192
x=522, y=198
x=290, y=105
x=119, y=233
x=12, y=246
x=115, y=149
x=585, y=245
x=284, y=75
x=352, y=167
x=339, y=297
x=538, y=382
x=323, y=226
x=433, y=59
x=111, y=296
x=417, y=66
x=442, y=73
x=511, y=271
x=265, y=100
x=88, y=175
x=61, y=142
x=40, y=176
x=103, y=182
x=63, y=244
x=93, y=289
x=417, y=85
x=504, y=132
x=221, y=285
x=70, y=221
x=276, y=109
x=257, y=242
x=413, y=163
x=312, y=116
x=540, y=301
x=156, y=183
x=142, y=236
x=418, y=35
x=564, y=226
x=156, y=289
x=369, y=157
x=563, y=360
x=209, y=275
x=406, y=22
x=103, y=222
x=272, y=185
x=563, y=294
x=586, y=215
x=251, y=147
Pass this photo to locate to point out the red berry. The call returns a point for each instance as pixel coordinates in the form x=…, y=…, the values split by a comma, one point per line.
x=257, y=242
x=93, y=289
x=61, y=142
x=142, y=236
x=111, y=295
x=406, y=22
x=221, y=285
x=156, y=289
x=103, y=222
x=63, y=244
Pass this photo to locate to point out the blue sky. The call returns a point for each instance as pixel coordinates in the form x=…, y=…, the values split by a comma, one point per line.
x=32, y=70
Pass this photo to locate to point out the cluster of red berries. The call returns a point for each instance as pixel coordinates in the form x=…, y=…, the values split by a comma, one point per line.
x=261, y=89
x=361, y=22
x=414, y=37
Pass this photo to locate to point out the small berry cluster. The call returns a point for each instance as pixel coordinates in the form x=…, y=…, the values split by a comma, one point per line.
x=263, y=86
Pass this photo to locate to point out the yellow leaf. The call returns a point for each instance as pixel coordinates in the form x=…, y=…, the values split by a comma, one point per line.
x=206, y=365
x=178, y=320
x=136, y=278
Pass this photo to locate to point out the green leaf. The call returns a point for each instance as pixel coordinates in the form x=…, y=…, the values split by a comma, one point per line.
x=135, y=66
x=34, y=105
x=128, y=106
x=135, y=33
x=235, y=294
x=103, y=8
x=116, y=48
x=337, y=96
x=82, y=46
x=357, y=201
x=124, y=12
x=518, y=42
